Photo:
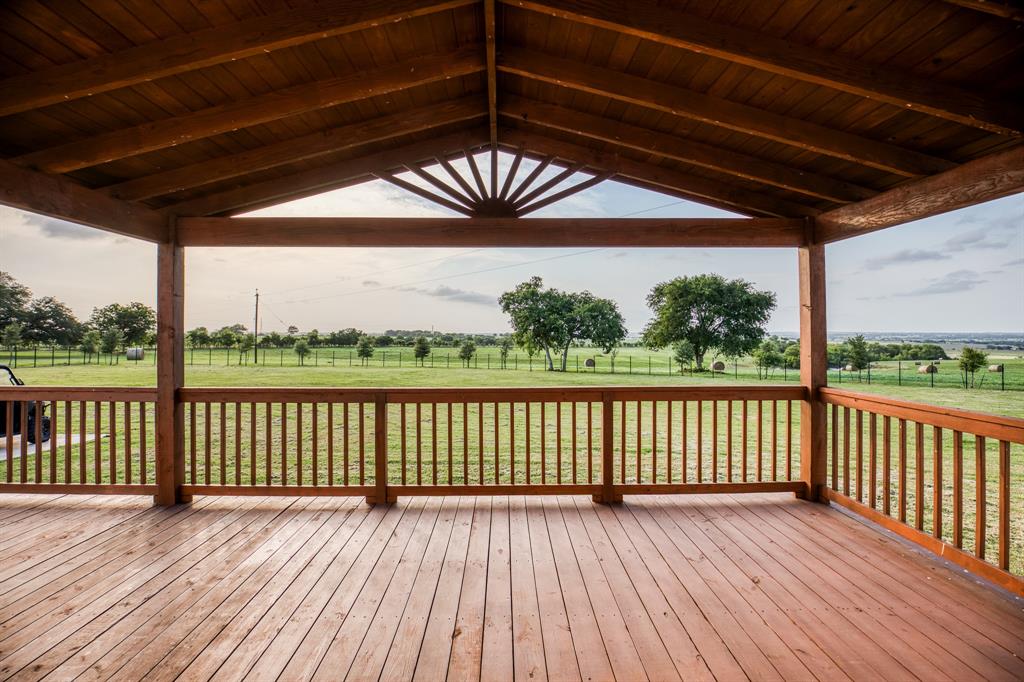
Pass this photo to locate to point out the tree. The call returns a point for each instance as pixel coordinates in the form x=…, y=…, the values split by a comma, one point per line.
x=766, y=358
x=855, y=350
x=225, y=337
x=198, y=337
x=364, y=348
x=245, y=344
x=683, y=354
x=134, y=320
x=553, y=320
x=14, y=298
x=503, y=350
x=301, y=349
x=792, y=355
x=466, y=351
x=421, y=348
x=11, y=336
x=710, y=312
x=313, y=337
x=971, y=360
x=111, y=339
x=384, y=341
x=292, y=330
x=47, y=320
x=90, y=343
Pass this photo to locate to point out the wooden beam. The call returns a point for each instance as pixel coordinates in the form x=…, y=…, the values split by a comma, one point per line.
x=650, y=20
x=680, y=149
x=204, y=48
x=1007, y=9
x=567, y=192
x=426, y=194
x=170, y=373
x=718, y=112
x=119, y=144
x=316, y=180
x=62, y=198
x=677, y=183
x=990, y=177
x=490, y=29
x=813, y=367
x=491, y=232
x=298, y=149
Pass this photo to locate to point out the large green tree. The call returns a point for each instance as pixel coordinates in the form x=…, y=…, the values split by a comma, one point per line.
x=47, y=320
x=711, y=313
x=553, y=320
x=14, y=298
x=971, y=360
x=134, y=320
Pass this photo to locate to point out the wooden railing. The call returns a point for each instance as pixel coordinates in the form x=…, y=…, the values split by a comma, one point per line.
x=603, y=442
x=101, y=440
x=902, y=465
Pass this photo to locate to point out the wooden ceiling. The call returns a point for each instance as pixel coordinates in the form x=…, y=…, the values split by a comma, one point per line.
x=769, y=108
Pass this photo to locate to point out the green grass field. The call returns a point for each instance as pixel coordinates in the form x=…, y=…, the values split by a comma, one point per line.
x=1010, y=402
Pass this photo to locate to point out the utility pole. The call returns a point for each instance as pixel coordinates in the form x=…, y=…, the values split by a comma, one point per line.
x=256, y=330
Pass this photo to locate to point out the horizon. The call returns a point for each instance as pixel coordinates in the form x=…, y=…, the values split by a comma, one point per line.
x=958, y=265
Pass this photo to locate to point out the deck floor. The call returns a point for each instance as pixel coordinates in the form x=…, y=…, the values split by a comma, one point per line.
x=726, y=587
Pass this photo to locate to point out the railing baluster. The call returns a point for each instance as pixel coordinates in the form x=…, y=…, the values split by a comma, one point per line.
x=775, y=440
x=654, y=441
x=419, y=444
x=497, y=447
x=590, y=442
x=362, y=443
x=223, y=443
x=835, y=447
x=465, y=443
x=558, y=441
x=238, y=443
x=298, y=442
x=380, y=449
x=433, y=443
x=683, y=438
x=700, y=442
x=143, y=475
x=403, y=440
x=622, y=445
x=543, y=443
x=980, y=503
x=284, y=443
x=746, y=436
x=512, y=443
x=937, y=482
x=55, y=421
x=668, y=442
x=82, y=477
x=873, y=463
x=958, y=489
x=96, y=451
x=760, y=440
x=573, y=406
x=314, y=448
x=789, y=440
x=860, y=455
x=887, y=466
x=1004, y=505
x=902, y=473
x=268, y=454
x=846, y=451
x=728, y=441
x=529, y=426
x=9, y=420
x=480, y=441
x=38, y=428
x=127, y=443
x=714, y=441
x=252, y=443
x=451, y=475
x=919, y=475
x=67, y=442
x=346, y=444
x=639, y=441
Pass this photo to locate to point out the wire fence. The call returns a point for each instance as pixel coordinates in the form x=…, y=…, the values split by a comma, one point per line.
x=631, y=361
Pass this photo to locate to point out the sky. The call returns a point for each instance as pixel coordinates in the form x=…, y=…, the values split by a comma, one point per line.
x=962, y=271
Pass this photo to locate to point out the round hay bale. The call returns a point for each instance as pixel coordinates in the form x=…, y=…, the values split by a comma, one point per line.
x=590, y=362
x=927, y=369
x=719, y=366
x=135, y=354
x=849, y=368
x=995, y=368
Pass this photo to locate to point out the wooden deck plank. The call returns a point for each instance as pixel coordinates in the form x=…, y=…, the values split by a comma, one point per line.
x=755, y=587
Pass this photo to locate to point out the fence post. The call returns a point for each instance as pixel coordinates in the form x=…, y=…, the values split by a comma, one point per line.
x=607, y=494
x=380, y=452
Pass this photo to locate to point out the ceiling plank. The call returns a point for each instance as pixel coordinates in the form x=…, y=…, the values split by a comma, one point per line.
x=673, y=182
x=651, y=20
x=990, y=177
x=1007, y=9
x=718, y=112
x=204, y=48
x=61, y=198
x=247, y=196
x=291, y=101
x=680, y=149
x=298, y=149
x=491, y=232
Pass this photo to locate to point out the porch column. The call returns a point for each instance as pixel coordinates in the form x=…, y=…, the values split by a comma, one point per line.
x=170, y=372
x=813, y=367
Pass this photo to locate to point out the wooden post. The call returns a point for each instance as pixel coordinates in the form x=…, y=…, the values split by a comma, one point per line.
x=813, y=368
x=380, y=452
x=170, y=374
x=607, y=495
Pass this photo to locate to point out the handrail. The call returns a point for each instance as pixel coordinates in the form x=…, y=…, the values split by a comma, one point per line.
x=978, y=423
x=86, y=393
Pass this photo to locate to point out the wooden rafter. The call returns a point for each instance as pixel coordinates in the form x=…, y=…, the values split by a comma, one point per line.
x=471, y=161
x=490, y=39
x=61, y=198
x=651, y=176
x=567, y=192
x=447, y=189
x=298, y=149
x=990, y=177
x=687, y=151
x=461, y=181
x=1007, y=9
x=512, y=171
x=251, y=111
x=531, y=176
x=718, y=112
x=650, y=20
x=491, y=232
x=200, y=49
x=419, y=191
x=554, y=180
x=248, y=195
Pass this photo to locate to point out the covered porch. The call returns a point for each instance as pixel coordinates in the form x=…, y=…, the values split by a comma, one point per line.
x=792, y=532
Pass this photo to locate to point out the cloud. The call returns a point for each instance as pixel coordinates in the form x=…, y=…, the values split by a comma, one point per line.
x=976, y=239
x=1014, y=263
x=60, y=229
x=951, y=283
x=371, y=283
x=448, y=293
x=902, y=257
